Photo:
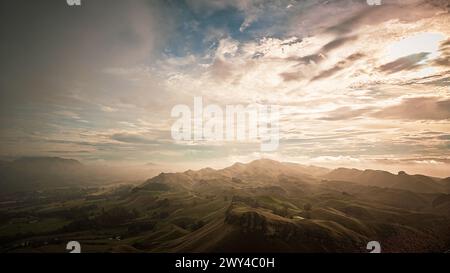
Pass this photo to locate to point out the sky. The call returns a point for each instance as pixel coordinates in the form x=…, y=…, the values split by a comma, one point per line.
x=358, y=85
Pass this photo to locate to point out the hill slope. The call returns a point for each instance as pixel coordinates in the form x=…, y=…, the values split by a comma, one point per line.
x=416, y=183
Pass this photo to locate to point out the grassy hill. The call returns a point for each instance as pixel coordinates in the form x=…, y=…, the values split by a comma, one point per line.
x=263, y=206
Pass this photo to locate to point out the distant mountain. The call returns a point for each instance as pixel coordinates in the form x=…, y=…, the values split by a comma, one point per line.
x=45, y=164
x=39, y=173
x=416, y=183
x=47, y=160
x=32, y=173
x=263, y=172
x=272, y=168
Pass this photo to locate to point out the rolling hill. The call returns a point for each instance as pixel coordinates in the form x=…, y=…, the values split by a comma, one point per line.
x=416, y=183
x=261, y=206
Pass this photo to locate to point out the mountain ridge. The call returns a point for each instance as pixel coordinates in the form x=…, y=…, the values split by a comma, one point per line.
x=380, y=178
x=269, y=171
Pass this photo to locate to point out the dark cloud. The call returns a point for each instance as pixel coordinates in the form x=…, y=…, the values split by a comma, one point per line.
x=338, y=42
x=134, y=138
x=444, y=59
x=444, y=82
x=409, y=62
x=344, y=113
x=413, y=160
x=431, y=133
x=326, y=49
x=319, y=57
x=444, y=137
x=295, y=41
x=47, y=46
x=420, y=137
x=439, y=79
x=423, y=108
x=308, y=59
x=350, y=23
x=327, y=138
x=69, y=152
x=339, y=66
x=291, y=76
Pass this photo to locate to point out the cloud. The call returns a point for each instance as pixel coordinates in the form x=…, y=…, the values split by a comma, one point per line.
x=291, y=76
x=338, y=42
x=345, y=113
x=312, y=17
x=134, y=139
x=251, y=17
x=444, y=137
x=410, y=62
x=444, y=59
x=308, y=59
x=221, y=69
x=339, y=66
x=50, y=47
x=292, y=42
x=403, y=11
x=421, y=108
x=320, y=56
